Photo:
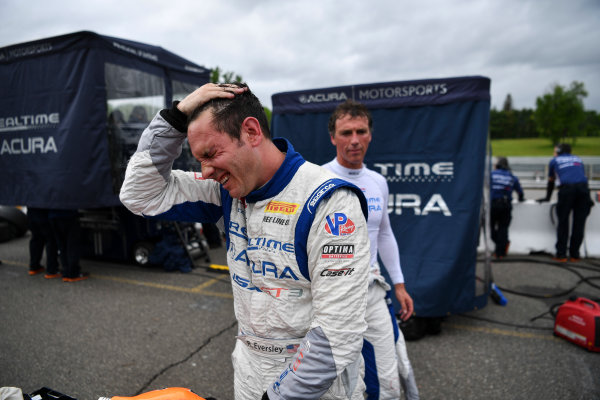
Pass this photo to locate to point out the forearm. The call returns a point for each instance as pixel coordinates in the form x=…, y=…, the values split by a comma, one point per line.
x=149, y=169
x=151, y=187
x=391, y=262
x=389, y=253
x=549, y=189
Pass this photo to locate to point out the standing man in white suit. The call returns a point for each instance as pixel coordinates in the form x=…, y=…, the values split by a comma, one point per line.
x=350, y=128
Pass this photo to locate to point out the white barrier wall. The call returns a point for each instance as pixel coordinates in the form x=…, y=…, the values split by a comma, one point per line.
x=533, y=229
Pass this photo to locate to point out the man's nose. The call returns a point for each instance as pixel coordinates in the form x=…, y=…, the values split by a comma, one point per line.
x=354, y=138
x=207, y=171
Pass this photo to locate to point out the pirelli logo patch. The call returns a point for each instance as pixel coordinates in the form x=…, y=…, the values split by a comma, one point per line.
x=338, y=251
x=281, y=207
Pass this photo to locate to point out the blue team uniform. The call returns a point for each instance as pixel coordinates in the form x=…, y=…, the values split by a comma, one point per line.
x=573, y=196
x=502, y=184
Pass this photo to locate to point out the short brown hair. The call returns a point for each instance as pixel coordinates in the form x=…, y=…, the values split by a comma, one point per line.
x=352, y=108
x=228, y=114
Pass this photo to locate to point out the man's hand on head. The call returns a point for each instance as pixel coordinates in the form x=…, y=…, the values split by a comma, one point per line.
x=206, y=93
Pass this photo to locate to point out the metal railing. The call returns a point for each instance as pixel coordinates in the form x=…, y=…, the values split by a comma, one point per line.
x=533, y=171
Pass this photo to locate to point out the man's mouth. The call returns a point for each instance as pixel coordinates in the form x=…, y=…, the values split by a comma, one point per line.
x=224, y=179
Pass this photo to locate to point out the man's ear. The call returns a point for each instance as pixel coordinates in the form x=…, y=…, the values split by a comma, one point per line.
x=332, y=138
x=252, y=131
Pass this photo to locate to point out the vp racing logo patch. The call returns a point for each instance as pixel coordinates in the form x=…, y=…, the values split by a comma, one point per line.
x=339, y=224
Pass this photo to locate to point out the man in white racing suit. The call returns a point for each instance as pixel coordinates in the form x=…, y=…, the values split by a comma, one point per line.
x=350, y=128
x=297, y=242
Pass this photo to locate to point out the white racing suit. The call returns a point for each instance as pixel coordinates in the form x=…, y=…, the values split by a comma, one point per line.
x=298, y=256
x=385, y=369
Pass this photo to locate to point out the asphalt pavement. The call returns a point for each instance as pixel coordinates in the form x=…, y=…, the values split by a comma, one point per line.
x=129, y=329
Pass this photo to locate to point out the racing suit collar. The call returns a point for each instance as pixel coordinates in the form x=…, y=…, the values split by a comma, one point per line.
x=348, y=172
x=293, y=160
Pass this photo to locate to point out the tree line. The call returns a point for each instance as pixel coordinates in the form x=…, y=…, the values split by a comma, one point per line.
x=559, y=116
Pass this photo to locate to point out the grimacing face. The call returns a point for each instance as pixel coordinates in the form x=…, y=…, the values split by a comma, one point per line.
x=351, y=140
x=224, y=159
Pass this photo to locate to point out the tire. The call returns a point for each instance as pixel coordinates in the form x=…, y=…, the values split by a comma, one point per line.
x=16, y=219
x=141, y=253
x=7, y=231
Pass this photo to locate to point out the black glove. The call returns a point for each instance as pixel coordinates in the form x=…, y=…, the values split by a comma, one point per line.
x=265, y=396
x=549, y=190
x=521, y=198
x=176, y=118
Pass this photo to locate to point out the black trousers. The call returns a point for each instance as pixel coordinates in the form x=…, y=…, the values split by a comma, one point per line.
x=68, y=235
x=500, y=217
x=42, y=237
x=572, y=200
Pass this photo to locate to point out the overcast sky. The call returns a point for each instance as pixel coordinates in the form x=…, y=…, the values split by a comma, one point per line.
x=524, y=46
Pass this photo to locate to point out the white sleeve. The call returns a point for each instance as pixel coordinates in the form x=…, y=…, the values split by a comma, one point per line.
x=387, y=246
x=152, y=188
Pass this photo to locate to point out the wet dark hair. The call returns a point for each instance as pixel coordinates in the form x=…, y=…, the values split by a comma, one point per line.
x=502, y=163
x=352, y=108
x=228, y=114
x=562, y=148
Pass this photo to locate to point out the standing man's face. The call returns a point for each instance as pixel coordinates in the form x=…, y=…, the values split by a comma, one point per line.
x=226, y=160
x=351, y=140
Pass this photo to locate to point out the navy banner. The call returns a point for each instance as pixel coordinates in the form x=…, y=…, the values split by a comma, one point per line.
x=429, y=141
x=71, y=112
x=384, y=95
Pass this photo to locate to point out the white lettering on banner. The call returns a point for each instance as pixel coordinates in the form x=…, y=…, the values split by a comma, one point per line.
x=442, y=171
x=436, y=203
x=391, y=92
x=322, y=97
x=139, y=53
x=25, y=51
x=194, y=69
x=28, y=121
x=31, y=145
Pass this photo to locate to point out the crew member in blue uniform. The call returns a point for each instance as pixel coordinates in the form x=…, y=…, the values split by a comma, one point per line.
x=573, y=196
x=502, y=184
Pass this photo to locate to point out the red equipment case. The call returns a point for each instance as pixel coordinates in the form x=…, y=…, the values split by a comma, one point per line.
x=578, y=321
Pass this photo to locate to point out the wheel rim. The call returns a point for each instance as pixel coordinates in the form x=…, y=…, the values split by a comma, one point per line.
x=141, y=255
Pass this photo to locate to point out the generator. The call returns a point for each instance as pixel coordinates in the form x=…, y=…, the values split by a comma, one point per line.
x=578, y=321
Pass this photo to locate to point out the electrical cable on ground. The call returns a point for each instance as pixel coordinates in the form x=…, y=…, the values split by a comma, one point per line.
x=505, y=323
x=571, y=267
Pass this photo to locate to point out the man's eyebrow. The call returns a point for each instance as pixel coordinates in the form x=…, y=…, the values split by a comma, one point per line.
x=206, y=153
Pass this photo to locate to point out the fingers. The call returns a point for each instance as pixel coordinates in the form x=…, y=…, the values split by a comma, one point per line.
x=221, y=89
x=230, y=87
x=406, y=303
x=406, y=309
x=404, y=315
x=409, y=308
x=206, y=93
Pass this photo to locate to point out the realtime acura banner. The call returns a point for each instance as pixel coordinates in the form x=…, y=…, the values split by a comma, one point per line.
x=56, y=148
x=53, y=150
x=429, y=139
